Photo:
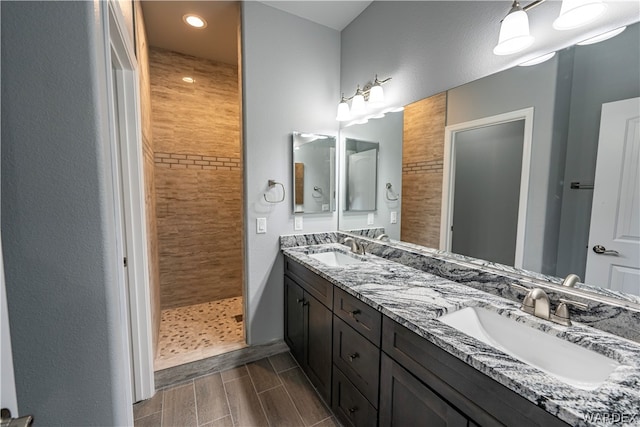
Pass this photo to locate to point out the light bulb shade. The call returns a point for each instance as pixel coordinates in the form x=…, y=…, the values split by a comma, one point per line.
x=602, y=37
x=538, y=60
x=357, y=104
x=514, y=34
x=376, y=96
x=576, y=13
x=343, y=112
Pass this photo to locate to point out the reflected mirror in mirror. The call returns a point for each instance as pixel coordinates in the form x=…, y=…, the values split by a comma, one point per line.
x=314, y=166
x=361, y=169
x=570, y=94
x=387, y=132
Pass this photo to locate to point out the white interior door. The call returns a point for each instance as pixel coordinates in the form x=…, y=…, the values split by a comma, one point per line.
x=613, y=259
x=362, y=180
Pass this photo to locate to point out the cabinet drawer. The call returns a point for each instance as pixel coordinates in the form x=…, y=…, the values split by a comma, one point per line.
x=320, y=288
x=357, y=358
x=349, y=405
x=358, y=315
x=482, y=399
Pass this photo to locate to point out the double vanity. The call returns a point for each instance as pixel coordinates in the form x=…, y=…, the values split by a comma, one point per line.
x=387, y=342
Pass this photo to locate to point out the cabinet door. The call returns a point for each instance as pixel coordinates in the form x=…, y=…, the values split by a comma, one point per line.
x=318, y=345
x=294, y=319
x=405, y=401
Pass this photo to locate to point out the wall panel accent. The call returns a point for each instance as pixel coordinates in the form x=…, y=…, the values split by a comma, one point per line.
x=422, y=163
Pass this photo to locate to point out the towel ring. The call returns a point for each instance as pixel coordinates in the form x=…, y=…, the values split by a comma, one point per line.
x=272, y=183
x=394, y=195
x=317, y=190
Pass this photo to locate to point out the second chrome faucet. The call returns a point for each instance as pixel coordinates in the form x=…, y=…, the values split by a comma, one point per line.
x=536, y=302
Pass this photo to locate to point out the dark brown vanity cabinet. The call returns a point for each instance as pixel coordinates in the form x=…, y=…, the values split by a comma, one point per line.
x=373, y=371
x=307, y=328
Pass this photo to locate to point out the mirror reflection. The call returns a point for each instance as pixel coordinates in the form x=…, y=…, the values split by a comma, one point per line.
x=570, y=95
x=314, y=166
x=361, y=170
x=387, y=133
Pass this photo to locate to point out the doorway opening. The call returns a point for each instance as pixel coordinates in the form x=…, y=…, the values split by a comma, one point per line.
x=191, y=111
x=485, y=187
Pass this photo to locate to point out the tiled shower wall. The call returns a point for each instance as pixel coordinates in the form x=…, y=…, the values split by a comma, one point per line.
x=198, y=178
x=422, y=169
x=142, y=51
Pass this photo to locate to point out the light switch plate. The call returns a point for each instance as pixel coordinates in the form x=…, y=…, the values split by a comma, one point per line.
x=261, y=225
x=394, y=218
x=370, y=219
x=297, y=225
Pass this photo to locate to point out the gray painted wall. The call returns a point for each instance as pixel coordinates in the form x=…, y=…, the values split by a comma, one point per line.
x=291, y=74
x=57, y=226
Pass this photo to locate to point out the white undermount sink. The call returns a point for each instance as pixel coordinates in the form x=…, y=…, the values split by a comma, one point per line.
x=335, y=258
x=568, y=362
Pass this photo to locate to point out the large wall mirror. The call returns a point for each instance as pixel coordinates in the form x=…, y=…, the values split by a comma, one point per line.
x=566, y=164
x=314, y=172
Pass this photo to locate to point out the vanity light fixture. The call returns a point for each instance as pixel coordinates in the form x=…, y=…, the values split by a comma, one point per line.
x=371, y=96
x=576, y=13
x=602, y=37
x=514, y=32
x=538, y=60
x=194, y=21
x=514, y=29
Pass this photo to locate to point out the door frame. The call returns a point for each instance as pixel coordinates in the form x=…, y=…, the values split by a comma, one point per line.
x=448, y=175
x=127, y=165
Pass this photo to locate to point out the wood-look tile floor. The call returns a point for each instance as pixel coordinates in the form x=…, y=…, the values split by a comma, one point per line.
x=199, y=331
x=269, y=392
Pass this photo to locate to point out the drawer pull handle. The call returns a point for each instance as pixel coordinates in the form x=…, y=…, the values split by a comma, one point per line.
x=353, y=409
x=353, y=356
x=354, y=313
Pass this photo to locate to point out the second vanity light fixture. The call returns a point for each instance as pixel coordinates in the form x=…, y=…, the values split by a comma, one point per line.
x=514, y=31
x=372, y=96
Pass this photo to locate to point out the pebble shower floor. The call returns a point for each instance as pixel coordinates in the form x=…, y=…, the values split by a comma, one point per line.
x=199, y=331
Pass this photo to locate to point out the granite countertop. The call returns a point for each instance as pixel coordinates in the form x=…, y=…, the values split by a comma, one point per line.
x=415, y=299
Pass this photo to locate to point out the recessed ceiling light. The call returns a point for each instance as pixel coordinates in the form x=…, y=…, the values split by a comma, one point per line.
x=194, y=20
x=188, y=79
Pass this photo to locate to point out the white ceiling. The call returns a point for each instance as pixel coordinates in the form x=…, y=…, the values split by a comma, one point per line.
x=332, y=14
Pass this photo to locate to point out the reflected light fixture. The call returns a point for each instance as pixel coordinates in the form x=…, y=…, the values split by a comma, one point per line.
x=194, y=21
x=514, y=32
x=602, y=37
x=538, y=60
x=576, y=13
x=514, y=29
x=371, y=97
x=188, y=79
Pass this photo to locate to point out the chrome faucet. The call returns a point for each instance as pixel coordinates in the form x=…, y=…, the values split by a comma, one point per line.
x=356, y=248
x=536, y=302
x=382, y=237
x=571, y=280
